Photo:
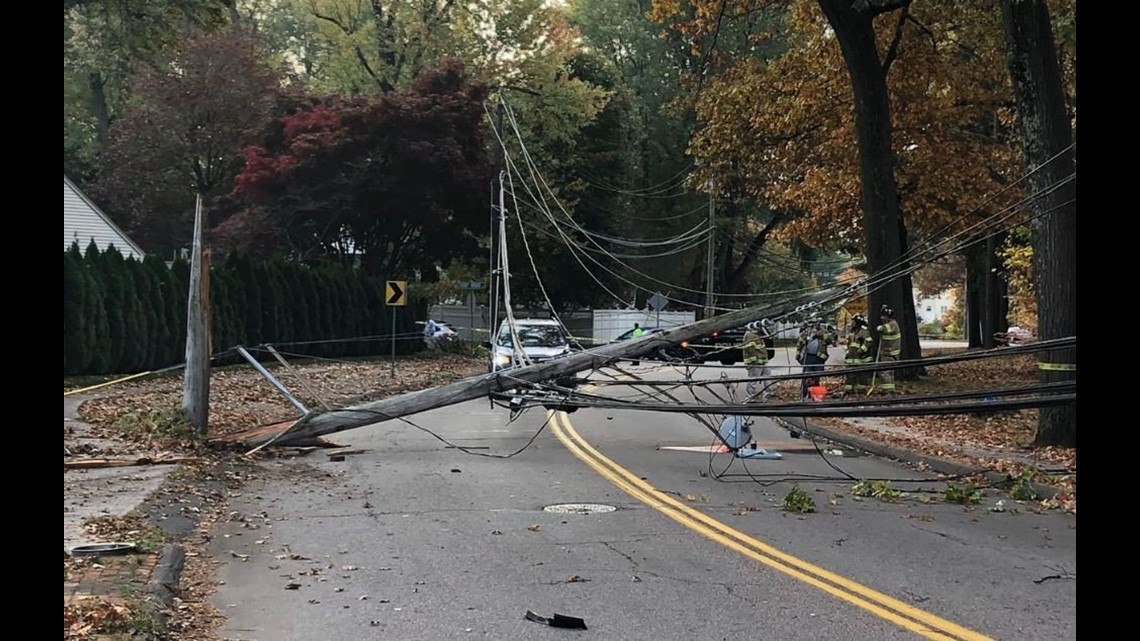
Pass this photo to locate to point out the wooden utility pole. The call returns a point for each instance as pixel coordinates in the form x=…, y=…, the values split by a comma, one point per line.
x=321, y=424
x=710, y=278
x=196, y=383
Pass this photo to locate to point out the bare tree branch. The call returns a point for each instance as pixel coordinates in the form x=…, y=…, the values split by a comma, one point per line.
x=879, y=7
x=893, y=50
x=332, y=19
x=755, y=246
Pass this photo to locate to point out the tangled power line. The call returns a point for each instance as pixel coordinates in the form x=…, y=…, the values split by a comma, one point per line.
x=589, y=250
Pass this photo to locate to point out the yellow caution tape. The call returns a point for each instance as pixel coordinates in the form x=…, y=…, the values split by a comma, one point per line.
x=1058, y=367
x=117, y=380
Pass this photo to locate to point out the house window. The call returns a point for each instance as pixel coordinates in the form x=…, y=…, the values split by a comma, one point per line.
x=944, y=309
x=929, y=308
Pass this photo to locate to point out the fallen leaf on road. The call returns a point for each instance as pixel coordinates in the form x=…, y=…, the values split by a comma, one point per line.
x=338, y=589
x=349, y=568
x=576, y=579
x=292, y=586
x=243, y=557
x=496, y=532
x=534, y=528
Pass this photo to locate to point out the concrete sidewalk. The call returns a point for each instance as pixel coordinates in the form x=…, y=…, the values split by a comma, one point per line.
x=111, y=594
x=93, y=493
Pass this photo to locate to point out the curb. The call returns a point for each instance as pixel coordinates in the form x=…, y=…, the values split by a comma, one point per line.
x=163, y=584
x=939, y=465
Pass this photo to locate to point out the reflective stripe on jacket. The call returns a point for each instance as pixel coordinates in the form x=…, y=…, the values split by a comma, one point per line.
x=891, y=337
x=754, y=350
x=859, y=348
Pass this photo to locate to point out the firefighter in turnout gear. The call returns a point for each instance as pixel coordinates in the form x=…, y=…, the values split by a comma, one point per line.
x=859, y=352
x=890, y=346
x=755, y=350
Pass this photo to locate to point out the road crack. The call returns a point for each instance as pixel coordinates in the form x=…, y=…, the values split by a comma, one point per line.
x=1062, y=574
x=943, y=535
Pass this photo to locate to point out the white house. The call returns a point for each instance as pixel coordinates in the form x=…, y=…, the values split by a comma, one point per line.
x=932, y=308
x=83, y=221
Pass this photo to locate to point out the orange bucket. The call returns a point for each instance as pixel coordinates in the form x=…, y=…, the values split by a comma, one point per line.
x=817, y=392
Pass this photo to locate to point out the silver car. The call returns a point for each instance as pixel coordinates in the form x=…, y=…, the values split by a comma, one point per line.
x=540, y=340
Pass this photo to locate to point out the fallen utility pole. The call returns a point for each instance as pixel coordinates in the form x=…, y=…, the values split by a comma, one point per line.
x=469, y=389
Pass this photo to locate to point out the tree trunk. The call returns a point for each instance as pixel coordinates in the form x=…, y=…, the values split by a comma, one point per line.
x=907, y=310
x=1047, y=137
x=99, y=106
x=975, y=286
x=994, y=302
x=881, y=221
x=737, y=278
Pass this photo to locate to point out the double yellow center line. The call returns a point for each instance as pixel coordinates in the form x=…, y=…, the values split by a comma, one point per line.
x=921, y=622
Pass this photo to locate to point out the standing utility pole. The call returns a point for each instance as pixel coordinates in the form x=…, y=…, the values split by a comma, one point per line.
x=711, y=253
x=496, y=216
x=196, y=383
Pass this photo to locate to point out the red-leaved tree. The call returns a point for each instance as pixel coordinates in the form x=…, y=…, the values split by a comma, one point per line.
x=398, y=182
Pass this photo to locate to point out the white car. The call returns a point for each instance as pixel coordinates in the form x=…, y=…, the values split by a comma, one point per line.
x=540, y=339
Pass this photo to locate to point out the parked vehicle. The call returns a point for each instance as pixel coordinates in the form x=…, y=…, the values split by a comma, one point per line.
x=726, y=348
x=541, y=340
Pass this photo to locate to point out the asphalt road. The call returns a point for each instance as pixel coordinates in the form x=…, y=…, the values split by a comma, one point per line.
x=409, y=539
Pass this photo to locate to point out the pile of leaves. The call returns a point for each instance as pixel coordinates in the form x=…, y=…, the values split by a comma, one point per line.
x=132, y=528
x=240, y=399
x=90, y=618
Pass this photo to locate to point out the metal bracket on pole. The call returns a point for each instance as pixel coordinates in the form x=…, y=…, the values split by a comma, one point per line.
x=736, y=434
x=310, y=390
x=273, y=381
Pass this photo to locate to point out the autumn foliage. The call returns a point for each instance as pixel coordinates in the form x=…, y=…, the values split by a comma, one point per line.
x=183, y=133
x=784, y=126
x=394, y=181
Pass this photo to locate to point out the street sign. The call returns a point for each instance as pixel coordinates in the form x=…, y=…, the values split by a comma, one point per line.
x=396, y=293
x=471, y=286
x=657, y=302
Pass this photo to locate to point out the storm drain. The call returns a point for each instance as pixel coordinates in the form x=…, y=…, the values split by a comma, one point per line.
x=102, y=549
x=579, y=508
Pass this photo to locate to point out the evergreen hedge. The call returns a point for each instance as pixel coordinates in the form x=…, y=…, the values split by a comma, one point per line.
x=122, y=316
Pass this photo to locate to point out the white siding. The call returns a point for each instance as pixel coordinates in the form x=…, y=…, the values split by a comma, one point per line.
x=83, y=222
x=611, y=323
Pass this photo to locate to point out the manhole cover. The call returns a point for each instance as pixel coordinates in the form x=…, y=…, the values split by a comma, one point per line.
x=103, y=549
x=579, y=508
